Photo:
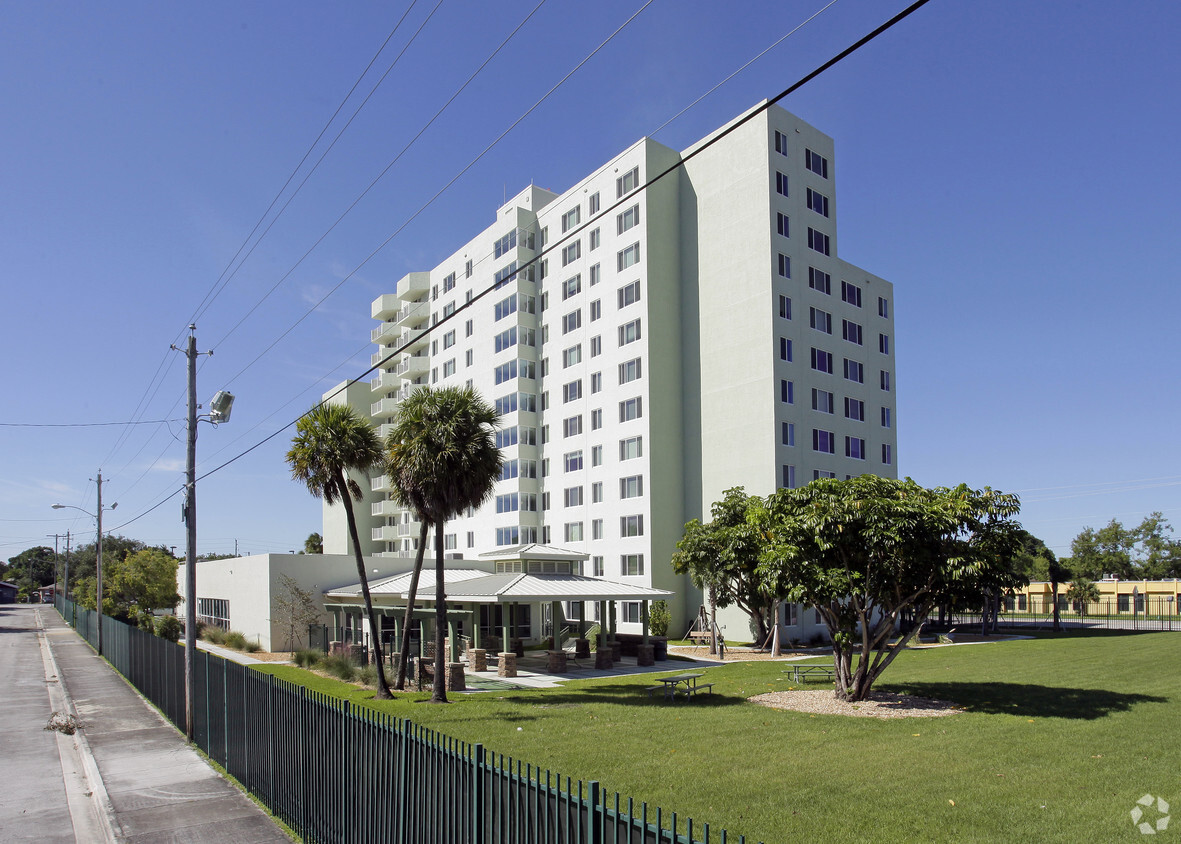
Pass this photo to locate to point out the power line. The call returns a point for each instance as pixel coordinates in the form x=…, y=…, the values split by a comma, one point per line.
x=728, y=130
x=84, y=424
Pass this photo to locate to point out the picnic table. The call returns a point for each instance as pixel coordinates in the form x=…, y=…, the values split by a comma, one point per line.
x=686, y=683
x=804, y=673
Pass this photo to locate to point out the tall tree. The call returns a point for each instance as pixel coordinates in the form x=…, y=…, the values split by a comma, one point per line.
x=1082, y=592
x=1146, y=551
x=443, y=459
x=723, y=554
x=865, y=550
x=314, y=544
x=332, y=440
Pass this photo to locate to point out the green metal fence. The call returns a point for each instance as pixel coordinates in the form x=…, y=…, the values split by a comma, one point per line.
x=339, y=774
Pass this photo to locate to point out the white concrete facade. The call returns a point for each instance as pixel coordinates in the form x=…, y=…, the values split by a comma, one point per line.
x=673, y=342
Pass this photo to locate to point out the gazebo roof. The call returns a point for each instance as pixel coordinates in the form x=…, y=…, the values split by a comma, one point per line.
x=533, y=551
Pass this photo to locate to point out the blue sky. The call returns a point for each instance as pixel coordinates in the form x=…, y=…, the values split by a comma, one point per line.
x=1009, y=166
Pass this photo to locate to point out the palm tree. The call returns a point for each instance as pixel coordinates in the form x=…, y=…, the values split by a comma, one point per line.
x=330, y=441
x=442, y=460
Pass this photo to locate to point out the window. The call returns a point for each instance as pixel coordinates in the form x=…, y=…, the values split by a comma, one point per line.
x=528, y=467
x=631, y=448
x=597, y=529
x=467, y=358
x=528, y=402
x=627, y=183
x=818, y=241
x=572, y=426
x=886, y=417
x=784, y=266
x=851, y=331
x=822, y=361
x=818, y=202
x=571, y=356
x=784, y=307
x=506, y=404
x=595, y=239
x=780, y=143
x=629, y=219
x=449, y=368
x=449, y=282
x=789, y=476
x=820, y=320
x=629, y=371
x=887, y=454
x=817, y=163
x=571, y=218
x=597, y=455
x=851, y=293
x=884, y=344
x=820, y=281
x=629, y=294
x=596, y=310
x=597, y=491
x=785, y=349
x=788, y=435
x=592, y=204
x=817, y=474
x=854, y=371
x=824, y=441
x=855, y=448
x=628, y=257
x=630, y=409
x=509, y=241
x=629, y=332
x=883, y=308
x=571, y=321
x=631, y=487
x=571, y=287
x=597, y=567
x=503, y=276
x=573, y=531
x=596, y=419
x=596, y=346
x=468, y=328
x=506, y=372
x=506, y=503
x=571, y=391
x=854, y=409
x=822, y=401
x=572, y=496
x=596, y=382
x=630, y=612
x=787, y=392
x=506, y=339
x=596, y=275
x=571, y=253
x=884, y=380
x=508, y=536
x=780, y=183
x=573, y=461
x=631, y=526
x=783, y=224
x=631, y=565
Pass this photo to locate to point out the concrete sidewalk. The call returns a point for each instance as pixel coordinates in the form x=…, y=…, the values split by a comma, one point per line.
x=125, y=775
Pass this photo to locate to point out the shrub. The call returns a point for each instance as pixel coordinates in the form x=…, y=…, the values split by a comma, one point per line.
x=169, y=627
x=340, y=667
x=252, y=647
x=214, y=634
x=144, y=620
x=307, y=658
x=659, y=618
x=235, y=640
x=368, y=674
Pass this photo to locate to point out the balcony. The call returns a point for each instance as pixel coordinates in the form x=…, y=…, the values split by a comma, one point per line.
x=389, y=507
x=385, y=332
x=385, y=408
x=381, y=483
x=379, y=356
x=385, y=533
x=412, y=339
x=386, y=381
x=411, y=366
x=413, y=286
x=385, y=306
x=414, y=314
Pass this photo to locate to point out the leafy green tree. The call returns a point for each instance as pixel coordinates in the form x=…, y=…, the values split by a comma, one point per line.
x=1082, y=592
x=865, y=550
x=314, y=544
x=1147, y=551
x=442, y=460
x=332, y=440
x=139, y=582
x=30, y=569
x=659, y=618
x=723, y=555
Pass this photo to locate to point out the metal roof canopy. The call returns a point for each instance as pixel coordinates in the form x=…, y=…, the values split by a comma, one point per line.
x=484, y=588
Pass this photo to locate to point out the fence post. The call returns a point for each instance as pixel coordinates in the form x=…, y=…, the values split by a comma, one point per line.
x=594, y=819
x=403, y=776
x=477, y=830
x=345, y=753
x=271, y=742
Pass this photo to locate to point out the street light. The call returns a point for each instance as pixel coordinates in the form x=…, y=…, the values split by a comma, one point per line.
x=98, y=518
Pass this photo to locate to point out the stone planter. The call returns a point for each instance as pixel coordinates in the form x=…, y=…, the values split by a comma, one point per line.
x=555, y=662
x=508, y=665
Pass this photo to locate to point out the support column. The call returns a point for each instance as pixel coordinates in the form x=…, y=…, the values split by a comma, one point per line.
x=645, y=652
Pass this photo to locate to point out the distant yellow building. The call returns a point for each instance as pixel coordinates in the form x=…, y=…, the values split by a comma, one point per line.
x=1116, y=597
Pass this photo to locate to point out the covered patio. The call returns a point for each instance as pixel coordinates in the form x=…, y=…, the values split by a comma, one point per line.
x=506, y=605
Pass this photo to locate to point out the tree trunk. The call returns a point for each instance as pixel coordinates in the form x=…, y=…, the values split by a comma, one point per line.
x=1054, y=596
x=439, y=690
x=400, y=679
x=383, y=689
x=776, y=645
x=713, y=621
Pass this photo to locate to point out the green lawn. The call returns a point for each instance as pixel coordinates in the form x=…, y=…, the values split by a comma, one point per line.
x=1061, y=736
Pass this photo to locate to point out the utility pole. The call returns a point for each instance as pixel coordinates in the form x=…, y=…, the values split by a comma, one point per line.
x=219, y=412
x=66, y=585
x=56, y=561
x=99, y=564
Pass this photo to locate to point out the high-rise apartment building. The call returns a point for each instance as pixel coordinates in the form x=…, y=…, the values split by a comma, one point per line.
x=670, y=342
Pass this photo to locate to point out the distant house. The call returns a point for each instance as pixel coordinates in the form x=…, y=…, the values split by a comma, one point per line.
x=46, y=594
x=8, y=592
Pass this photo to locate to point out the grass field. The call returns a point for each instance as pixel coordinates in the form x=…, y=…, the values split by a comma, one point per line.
x=1061, y=736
